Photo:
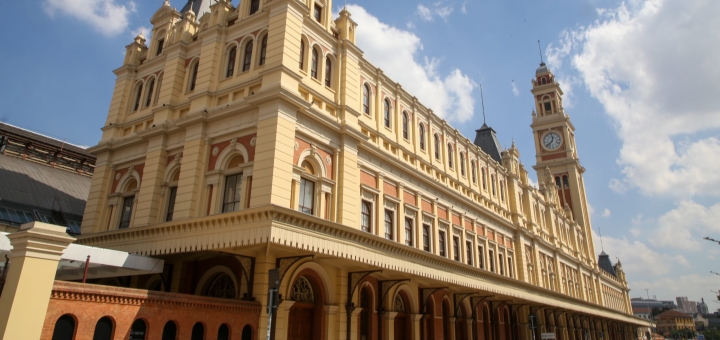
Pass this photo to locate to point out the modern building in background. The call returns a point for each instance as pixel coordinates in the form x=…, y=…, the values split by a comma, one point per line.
x=241, y=140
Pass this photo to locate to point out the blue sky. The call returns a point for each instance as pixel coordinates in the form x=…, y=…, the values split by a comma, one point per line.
x=639, y=77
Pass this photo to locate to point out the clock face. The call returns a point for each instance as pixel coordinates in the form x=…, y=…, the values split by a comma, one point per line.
x=552, y=141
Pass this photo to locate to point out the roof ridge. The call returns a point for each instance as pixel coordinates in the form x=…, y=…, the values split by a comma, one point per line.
x=46, y=136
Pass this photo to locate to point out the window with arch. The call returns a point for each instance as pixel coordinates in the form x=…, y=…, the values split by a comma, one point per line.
x=389, y=224
x=307, y=190
x=138, y=330
x=232, y=55
x=547, y=105
x=247, y=333
x=247, y=58
x=193, y=75
x=198, y=332
x=386, y=113
x=172, y=194
x=254, y=6
x=149, y=94
x=160, y=45
x=64, y=328
x=502, y=191
x=421, y=134
x=462, y=163
x=366, y=99
x=223, y=332
x=233, y=191
x=450, y=155
x=159, y=86
x=437, y=146
x=169, y=331
x=302, y=54
x=405, y=121
x=314, y=63
x=128, y=204
x=103, y=329
x=263, y=49
x=328, y=72
x=302, y=291
x=473, y=172
x=484, y=178
x=366, y=216
x=366, y=303
x=138, y=96
x=409, y=223
x=492, y=184
x=222, y=286
x=543, y=81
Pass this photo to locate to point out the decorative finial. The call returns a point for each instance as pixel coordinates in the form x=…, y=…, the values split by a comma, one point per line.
x=166, y=3
x=540, y=49
x=482, y=100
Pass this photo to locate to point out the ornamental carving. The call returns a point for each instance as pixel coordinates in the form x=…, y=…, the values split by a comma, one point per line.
x=328, y=160
x=297, y=145
x=222, y=287
x=215, y=151
x=253, y=141
x=302, y=291
x=117, y=176
x=399, y=304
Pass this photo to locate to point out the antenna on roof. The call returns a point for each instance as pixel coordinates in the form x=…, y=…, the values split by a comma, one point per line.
x=482, y=100
x=540, y=49
x=601, y=243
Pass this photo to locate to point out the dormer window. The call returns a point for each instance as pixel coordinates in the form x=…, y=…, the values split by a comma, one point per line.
x=161, y=43
x=317, y=13
x=543, y=80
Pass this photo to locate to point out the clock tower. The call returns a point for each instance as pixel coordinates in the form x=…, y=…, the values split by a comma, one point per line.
x=555, y=147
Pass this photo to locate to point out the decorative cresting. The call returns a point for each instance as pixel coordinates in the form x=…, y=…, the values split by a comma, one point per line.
x=458, y=300
x=399, y=305
x=302, y=291
x=222, y=287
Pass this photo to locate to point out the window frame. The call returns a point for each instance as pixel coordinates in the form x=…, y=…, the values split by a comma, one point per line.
x=238, y=192
x=427, y=241
x=302, y=54
x=405, y=125
x=263, y=50
x=389, y=224
x=461, y=164
x=303, y=196
x=193, y=75
x=366, y=216
x=160, y=46
x=436, y=140
x=442, y=240
x=254, y=6
x=328, y=71
x=231, y=59
x=387, y=122
x=170, y=210
x=317, y=12
x=138, y=96
x=456, y=248
x=247, y=56
x=469, y=252
x=314, y=63
x=451, y=151
x=421, y=134
x=149, y=93
x=125, y=200
x=366, y=99
x=409, y=226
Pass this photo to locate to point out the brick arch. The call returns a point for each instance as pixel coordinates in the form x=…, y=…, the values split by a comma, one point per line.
x=303, y=312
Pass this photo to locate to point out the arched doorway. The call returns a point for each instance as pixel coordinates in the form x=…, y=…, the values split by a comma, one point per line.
x=64, y=328
x=169, y=331
x=508, y=326
x=198, y=332
x=429, y=319
x=103, y=329
x=247, y=333
x=487, y=321
x=366, y=303
x=223, y=332
x=446, y=319
x=461, y=332
x=138, y=329
x=402, y=319
x=305, y=320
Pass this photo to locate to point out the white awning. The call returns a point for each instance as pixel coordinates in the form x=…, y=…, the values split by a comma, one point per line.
x=103, y=262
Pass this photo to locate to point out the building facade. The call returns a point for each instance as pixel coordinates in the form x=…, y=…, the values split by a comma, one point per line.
x=671, y=320
x=250, y=138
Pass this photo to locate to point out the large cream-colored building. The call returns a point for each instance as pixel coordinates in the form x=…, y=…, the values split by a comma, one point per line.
x=239, y=140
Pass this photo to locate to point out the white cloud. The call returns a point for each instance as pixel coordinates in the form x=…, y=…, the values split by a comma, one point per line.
x=693, y=286
x=424, y=13
x=606, y=213
x=637, y=258
x=515, y=90
x=448, y=95
x=657, y=80
x=617, y=186
x=463, y=8
x=106, y=16
x=686, y=225
x=440, y=9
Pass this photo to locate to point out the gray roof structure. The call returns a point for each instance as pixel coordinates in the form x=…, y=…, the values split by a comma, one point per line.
x=199, y=7
x=38, y=138
x=605, y=264
x=486, y=139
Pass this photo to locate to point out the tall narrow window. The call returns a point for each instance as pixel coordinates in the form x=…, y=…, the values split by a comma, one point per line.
x=317, y=13
x=492, y=184
x=138, y=329
x=138, y=97
x=386, y=113
x=426, y=237
x=501, y=263
x=441, y=242
x=481, y=257
x=328, y=72
x=103, y=329
x=484, y=178
x=491, y=257
x=437, y=147
x=469, y=253
x=365, y=216
x=456, y=248
x=462, y=164
x=254, y=6
x=302, y=54
x=248, y=56
x=510, y=266
x=161, y=44
x=409, y=231
x=473, y=171
x=193, y=75
x=421, y=133
x=231, y=62
x=389, y=224
x=233, y=186
x=171, y=204
x=450, y=155
x=314, y=64
x=405, y=125
x=126, y=213
x=263, y=50
x=502, y=191
x=149, y=94
x=366, y=99
x=307, y=196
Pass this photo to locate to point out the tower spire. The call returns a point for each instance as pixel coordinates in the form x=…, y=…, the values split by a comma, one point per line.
x=540, y=49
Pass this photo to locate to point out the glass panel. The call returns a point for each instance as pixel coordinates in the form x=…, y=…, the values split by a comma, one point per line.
x=4, y=215
x=365, y=221
x=408, y=232
x=126, y=213
x=171, y=204
x=307, y=195
x=233, y=190
x=388, y=224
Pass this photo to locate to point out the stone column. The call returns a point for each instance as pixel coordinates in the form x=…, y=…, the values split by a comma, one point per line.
x=389, y=325
x=416, y=322
x=150, y=196
x=37, y=248
x=332, y=321
x=281, y=321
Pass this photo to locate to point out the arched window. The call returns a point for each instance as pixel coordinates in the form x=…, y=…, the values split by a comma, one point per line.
x=247, y=59
x=543, y=80
x=492, y=184
x=159, y=86
x=328, y=72
x=547, y=105
x=198, y=332
x=366, y=99
x=302, y=291
x=386, y=112
x=484, y=178
x=302, y=54
x=405, y=120
x=462, y=163
x=169, y=331
x=446, y=319
x=103, y=329
x=64, y=328
x=138, y=329
x=223, y=332
x=222, y=286
x=366, y=303
x=263, y=50
x=307, y=190
x=138, y=96
x=421, y=133
x=254, y=6
x=473, y=171
x=148, y=95
x=193, y=76
x=502, y=191
x=366, y=216
x=231, y=62
x=437, y=146
x=247, y=333
x=450, y=155
x=314, y=64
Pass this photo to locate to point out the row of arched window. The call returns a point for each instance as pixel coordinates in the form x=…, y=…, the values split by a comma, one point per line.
x=315, y=60
x=145, y=93
x=66, y=325
x=246, y=56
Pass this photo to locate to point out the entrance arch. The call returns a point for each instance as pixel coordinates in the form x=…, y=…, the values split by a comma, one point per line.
x=305, y=321
x=402, y=326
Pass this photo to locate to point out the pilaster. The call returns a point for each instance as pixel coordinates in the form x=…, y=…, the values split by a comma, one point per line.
x=151, y=195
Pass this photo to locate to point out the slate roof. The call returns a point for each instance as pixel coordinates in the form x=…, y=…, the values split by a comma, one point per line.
x=36, y=137
x=486, y=139
x=41, y=186
x=199, y=7
x=605, y=264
